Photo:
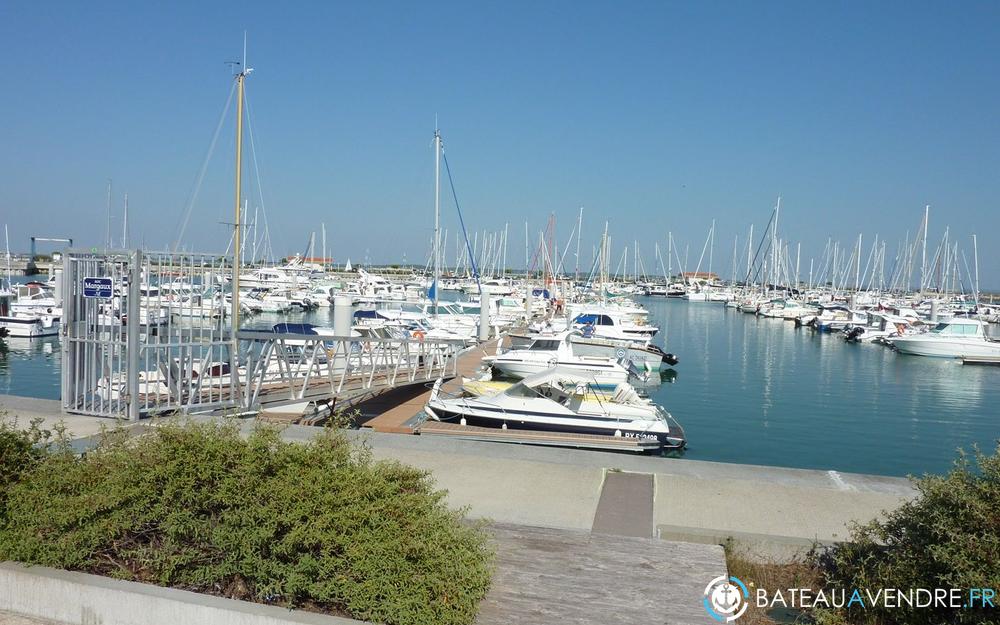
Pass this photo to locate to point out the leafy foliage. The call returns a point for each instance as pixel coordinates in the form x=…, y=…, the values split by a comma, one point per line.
x=20, y=451
x=948, y=537
x=318, y=525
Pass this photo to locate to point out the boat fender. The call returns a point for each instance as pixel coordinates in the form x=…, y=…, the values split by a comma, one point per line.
x=618, y=433
x=504, y=426
x=462, y=422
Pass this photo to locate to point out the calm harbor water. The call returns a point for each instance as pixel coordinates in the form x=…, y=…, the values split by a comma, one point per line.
x=760, y=391
x=755, y=391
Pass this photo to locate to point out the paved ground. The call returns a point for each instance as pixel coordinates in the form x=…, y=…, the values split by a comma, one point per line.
x=528, y=492
x=6, y=618
x=50, y=412
x=547, y=577
x=626, y=505
x=775, y=511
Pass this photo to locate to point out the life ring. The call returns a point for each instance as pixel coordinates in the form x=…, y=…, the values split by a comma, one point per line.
x=419, y=335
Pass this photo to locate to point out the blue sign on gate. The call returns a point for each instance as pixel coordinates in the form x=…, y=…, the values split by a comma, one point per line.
x=98, y=287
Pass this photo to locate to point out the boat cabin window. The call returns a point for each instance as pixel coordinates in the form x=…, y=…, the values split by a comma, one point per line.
x=545, y=345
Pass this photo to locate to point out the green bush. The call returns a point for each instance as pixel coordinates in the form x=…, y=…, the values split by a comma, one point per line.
x=20, y=451
x=948, y=537
x=319, y=525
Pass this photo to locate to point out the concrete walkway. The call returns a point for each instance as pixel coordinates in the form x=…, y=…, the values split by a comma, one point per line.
x=626, y=505
x=772, y=510
x=8, y=618
x=50, y=412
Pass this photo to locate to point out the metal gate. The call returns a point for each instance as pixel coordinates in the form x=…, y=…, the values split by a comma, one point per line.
x=146, y=332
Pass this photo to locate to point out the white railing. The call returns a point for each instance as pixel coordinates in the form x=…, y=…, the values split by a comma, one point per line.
x=299, y=367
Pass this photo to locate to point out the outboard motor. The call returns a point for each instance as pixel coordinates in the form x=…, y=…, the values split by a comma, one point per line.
x=668, y=358
x=854, y=333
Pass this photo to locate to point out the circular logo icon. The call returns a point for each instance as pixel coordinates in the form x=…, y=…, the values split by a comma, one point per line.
x=726, y=598
x=620, y=353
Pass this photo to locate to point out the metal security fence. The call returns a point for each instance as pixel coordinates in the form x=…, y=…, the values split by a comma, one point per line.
x=148, y=332
x=145, y=332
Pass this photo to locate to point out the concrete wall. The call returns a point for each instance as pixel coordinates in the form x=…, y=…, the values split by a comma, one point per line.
x=82, y=599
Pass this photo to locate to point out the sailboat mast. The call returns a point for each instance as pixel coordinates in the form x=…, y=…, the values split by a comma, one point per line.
x=579, y=235
x=237, y=206
x=437, y=216
x=975, y=259
x=670, y=257
x=923, y=258
x=107, y=236
x=503, y=270
x=6, y=238
x=125, y=225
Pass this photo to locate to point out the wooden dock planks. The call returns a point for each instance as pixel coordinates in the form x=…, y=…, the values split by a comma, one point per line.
x=393, y=419
x=547, y=576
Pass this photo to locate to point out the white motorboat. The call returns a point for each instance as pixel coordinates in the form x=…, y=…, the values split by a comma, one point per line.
x=958, y=337
x=491, y=286
x=562, y=400
x=29, y=326
x=646, y=357
x=546, y=352
x=607, y=324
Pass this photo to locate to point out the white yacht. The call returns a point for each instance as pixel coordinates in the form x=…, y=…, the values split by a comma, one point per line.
x=546, y=352
x=272, y=278
x=561, y=400
x=646, y=357
x=16, y=323
x=492, y=286
x=958, y=337
x=606, y=324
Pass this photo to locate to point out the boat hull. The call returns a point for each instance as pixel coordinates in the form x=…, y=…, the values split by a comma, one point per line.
x=922, y=346
x=656, y=440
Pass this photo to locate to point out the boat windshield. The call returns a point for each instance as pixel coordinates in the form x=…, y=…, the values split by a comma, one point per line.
x=961, y=329
x=547, y=345
x=521, y=390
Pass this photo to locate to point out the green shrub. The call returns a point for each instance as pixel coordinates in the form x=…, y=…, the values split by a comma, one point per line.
x=948, y=537
x=318, y=525
x=20, y=451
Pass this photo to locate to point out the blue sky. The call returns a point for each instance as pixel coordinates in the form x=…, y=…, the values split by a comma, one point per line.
x=656, y=116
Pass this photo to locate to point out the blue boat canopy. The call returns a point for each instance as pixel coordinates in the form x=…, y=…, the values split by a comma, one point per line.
x=368, y=314
x=294, y=328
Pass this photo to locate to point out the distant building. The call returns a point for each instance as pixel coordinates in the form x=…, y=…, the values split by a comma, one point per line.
x=704, y=276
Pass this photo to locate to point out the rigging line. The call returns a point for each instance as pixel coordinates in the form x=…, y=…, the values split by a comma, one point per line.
x=256, y=168
x=204, y=168
x=753, y=263
x=461, y=221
